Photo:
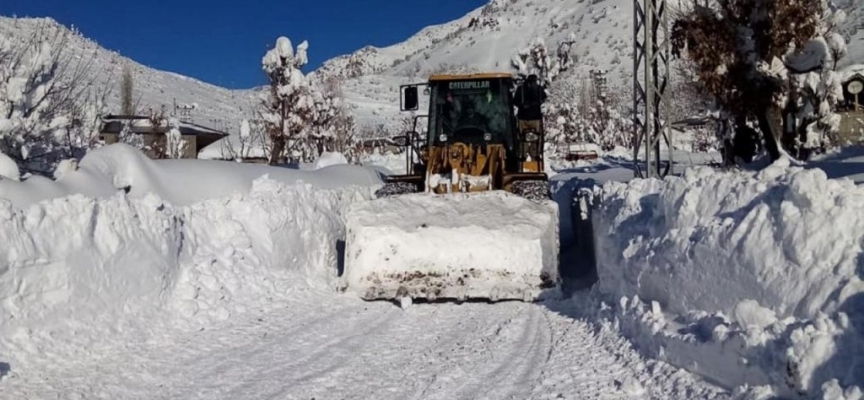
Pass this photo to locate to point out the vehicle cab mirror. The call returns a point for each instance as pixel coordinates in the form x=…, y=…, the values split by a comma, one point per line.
x=403, y=140
x=410, y=99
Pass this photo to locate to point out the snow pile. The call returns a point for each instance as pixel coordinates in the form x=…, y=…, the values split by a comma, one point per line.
x=251, y=249
x=8, y=168
x=760, y=268
x=499, y=244
x=330, y=158
x=393, y=163
x=120, y=167
x=83, y=259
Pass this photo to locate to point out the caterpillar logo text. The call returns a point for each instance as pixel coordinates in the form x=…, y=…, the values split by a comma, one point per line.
x=469, y=85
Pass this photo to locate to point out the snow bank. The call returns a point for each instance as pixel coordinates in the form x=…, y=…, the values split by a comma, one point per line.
x=486, y=245
x=76, y=266
x=327, y=159
x=8, y=168
x=250, y=250
x=394, y=163
x=120, y=167
x=723, y=268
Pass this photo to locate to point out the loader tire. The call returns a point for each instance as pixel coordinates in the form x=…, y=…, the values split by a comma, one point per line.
x=392, y=189
x=532, y=190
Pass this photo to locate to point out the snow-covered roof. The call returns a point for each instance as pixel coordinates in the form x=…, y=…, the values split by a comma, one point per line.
x=851, y=71
x=141, y=124
x=231, y=146
x=450, y=77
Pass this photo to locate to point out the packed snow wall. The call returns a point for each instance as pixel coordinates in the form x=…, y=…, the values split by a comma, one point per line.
x=491, y=245
x=757, y=272
x=74, y=263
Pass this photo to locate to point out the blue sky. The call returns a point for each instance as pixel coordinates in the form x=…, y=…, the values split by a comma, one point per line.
x=223, y=44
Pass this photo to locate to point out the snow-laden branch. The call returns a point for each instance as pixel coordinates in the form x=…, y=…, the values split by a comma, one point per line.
x=48, y=110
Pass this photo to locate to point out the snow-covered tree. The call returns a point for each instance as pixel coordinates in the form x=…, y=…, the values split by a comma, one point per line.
x=814, y=89
x=39, y=87
x=559, y=109
x=244, y=140
x=168, y=141
x=535, y=59
x=756, y=57
x=587, y=113
x=129, y=137
x=345, y=138
x=290, y=104
x=175, y=144
x=327, y=108
x=86, y=123
x=334, y=127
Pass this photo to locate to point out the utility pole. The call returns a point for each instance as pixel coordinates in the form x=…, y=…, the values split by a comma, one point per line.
x=651, y=56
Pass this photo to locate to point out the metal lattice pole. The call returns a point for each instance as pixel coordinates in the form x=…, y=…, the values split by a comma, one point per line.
x=651, y=55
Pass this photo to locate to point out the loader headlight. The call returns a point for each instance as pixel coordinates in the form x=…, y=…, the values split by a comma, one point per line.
x=531, y=137
x=442, y=138
x=487, y=137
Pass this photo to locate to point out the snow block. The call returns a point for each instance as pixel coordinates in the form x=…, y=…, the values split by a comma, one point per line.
x=491, y=245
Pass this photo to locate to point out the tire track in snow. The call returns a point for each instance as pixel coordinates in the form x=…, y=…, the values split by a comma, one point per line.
x=350, y=349
x=401, y=348
x=591, y=360
x=283, y=352
x=518, y=352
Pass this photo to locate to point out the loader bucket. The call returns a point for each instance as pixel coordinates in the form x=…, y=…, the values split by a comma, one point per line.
x=490, y=245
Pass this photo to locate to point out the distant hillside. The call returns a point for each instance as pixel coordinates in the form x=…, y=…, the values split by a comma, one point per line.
x=217, y=107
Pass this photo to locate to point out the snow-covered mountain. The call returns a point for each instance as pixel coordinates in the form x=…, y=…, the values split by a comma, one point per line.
x=488, y=38
x=217, y=107
x=485, y=39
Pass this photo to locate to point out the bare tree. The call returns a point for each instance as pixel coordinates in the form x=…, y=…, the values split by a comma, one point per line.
x=83, y=133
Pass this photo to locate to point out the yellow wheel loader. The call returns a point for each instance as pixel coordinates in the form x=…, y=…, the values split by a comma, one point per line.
x=472, y=216
x=472, y=141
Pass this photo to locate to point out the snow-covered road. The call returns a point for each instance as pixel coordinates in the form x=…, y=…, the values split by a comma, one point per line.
x=323, y=347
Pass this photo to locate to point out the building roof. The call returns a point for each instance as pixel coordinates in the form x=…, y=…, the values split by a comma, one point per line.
x=852, y=71
x=141, y=124
x=461, y=77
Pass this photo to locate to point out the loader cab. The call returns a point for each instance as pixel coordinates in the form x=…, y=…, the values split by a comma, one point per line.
x=472, y=110
x=475, y=109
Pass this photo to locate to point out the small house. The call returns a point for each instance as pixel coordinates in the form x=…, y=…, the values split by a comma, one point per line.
x=851, y=107
x=196, y=136
x=853, y=77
